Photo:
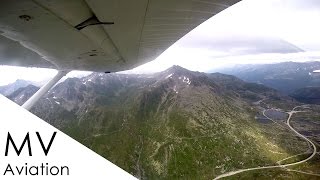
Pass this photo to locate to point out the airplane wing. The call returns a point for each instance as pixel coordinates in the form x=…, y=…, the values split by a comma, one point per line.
x=96, y=35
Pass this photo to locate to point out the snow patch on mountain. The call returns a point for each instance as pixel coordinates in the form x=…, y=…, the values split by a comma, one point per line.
x=169, y=76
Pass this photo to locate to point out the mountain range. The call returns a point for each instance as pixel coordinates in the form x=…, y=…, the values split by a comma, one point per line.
x=285, y=77
x=175, y=124
x=12, y=87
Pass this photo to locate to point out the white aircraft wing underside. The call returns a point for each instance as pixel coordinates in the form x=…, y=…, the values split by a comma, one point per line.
x=96, y=35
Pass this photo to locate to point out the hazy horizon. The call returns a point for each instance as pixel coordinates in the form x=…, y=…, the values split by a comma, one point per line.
x=51, y=72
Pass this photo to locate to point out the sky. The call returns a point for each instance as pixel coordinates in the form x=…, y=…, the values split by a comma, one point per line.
x=252, y=31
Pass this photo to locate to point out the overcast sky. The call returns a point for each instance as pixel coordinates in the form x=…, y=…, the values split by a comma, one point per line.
x=252, y=31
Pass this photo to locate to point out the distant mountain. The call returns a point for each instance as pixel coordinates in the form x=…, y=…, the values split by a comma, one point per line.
x=10, y=88
x=285, y=77
x=22, y=94
x=309, y=95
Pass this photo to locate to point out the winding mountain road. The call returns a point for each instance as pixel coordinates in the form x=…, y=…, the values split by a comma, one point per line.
x=293, y=111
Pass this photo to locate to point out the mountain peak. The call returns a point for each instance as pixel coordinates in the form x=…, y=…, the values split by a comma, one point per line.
x=20, y=80
x=10, y=88
x=176, y=68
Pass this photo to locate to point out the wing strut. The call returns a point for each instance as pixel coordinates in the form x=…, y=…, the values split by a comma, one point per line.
x=44, y=89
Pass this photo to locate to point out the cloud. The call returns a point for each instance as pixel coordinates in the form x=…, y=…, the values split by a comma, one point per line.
x=240, y=44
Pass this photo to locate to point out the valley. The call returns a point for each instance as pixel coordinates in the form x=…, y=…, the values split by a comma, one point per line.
x=312, y=151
